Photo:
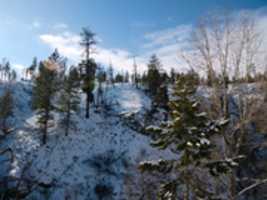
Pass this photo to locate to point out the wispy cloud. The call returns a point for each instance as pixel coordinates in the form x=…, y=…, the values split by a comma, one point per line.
x=168, y=36
x=68, y=45
x=167, y=44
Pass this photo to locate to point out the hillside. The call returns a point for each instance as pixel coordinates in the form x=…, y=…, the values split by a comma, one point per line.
x=98, y=152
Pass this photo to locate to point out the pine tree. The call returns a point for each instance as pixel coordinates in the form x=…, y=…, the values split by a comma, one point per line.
x=59, y=62
x=135, y=74
x=7, y=70
x=69, y=99
x=119, y=78
x=31, y=69
x=172, y=76
x=44, y=90
x=188, y=134
x=88, y=67
x=162, y=98
x=111, y=74
x=153, y=75
x=6, y=109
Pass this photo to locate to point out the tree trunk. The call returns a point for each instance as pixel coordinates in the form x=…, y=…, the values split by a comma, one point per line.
x=67, y=122
x=45, y=133
x=232, y=185
x=45, y=126
x=87, y=111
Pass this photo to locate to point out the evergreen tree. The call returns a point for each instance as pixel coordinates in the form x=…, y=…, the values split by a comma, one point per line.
x=153, y=75
x=69, y=98
x=30, y=71
x=135, y=74
x=172, y=76
x=188, y=134
x=44, y=90
x=7, y=70
x=111, y=74
x=59, y=62
x=119, y=78
x=88, y=67
x=144, y=79
x=162, y=98
x=6, y=109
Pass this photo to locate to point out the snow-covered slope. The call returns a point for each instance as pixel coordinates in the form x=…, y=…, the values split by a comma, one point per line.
x=99, y=152
x=126, y=98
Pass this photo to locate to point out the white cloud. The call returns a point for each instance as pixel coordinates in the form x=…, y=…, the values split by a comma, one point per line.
x=163, y=43
x=168, y=36
x=68, y=45
x=167, y=44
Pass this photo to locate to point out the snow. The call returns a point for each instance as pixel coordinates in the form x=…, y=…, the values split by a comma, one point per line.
x=69, y=162
x=126, y=98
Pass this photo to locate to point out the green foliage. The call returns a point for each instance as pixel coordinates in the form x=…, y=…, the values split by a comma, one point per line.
x=172, y=76
x=189, y=134
x=88, y=66
x=162, y=98
x=45, y=87
x=153, y=78
x=101, y=76
x=34, y=65
x=119, y=78
x=69, y=99
x=88, y=85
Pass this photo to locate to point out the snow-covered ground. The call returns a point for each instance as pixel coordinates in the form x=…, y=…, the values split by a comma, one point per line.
x=99, y=151
x=126, y=98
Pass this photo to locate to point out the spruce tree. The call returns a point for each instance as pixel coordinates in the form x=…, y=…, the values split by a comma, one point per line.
x=59, y=62
x=31, y=69
x=45, y=86
x=153, y=75
x=188, y=134
x=135, y=74
x=6, y=109
x=162, y=98
x=7, y=70
x=69, y=99
x=111, y=75
x=88, y=67
x=119, y=78
x=172, y=76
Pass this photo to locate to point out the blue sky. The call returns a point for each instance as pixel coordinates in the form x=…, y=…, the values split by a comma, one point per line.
x=124, y=27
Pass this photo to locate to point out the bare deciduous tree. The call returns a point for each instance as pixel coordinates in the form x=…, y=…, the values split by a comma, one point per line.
x=226, y=46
